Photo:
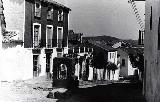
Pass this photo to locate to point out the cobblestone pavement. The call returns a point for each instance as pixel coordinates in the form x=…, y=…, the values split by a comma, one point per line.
x=34, y=90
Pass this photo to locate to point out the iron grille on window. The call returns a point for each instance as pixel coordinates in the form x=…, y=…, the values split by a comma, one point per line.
x=49, y=43
x=62, y=72
x=36, y=36
x=50, y=13
x=37, y=10
x=60, y=15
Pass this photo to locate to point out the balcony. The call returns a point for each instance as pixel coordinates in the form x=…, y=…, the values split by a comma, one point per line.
x=59, y=43
x=49, y=43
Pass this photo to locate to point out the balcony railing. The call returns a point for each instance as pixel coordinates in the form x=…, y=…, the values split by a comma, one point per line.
x=49, y=43
x=60, y=43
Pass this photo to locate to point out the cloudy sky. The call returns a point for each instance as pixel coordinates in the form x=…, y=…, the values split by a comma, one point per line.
x=105, y=17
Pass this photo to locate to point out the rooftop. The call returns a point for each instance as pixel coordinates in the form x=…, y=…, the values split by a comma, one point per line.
x=102, y=45
x=56, y=3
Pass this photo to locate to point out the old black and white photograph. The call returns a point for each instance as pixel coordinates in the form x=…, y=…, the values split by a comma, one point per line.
x=79, y=50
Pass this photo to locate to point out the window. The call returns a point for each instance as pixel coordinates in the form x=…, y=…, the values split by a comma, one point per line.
x=159, y=34
x=37, y=9
x=110, y=55
x=48, y=57
x=113, y=55
x=36, y=35
x=123, y=62
x=59, y=54
x=50, y=13
x=62, y=72
x=36, y=67
x=151, y=19
x=49, y=34
x=60, y=15
x=60, y=36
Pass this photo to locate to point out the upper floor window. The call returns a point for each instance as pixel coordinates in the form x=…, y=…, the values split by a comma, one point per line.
x=49, y=35
x=60, y=36
x=60, y=15
x=36, y=35
x=50, y=13
x=113, y=55
x=37, y=9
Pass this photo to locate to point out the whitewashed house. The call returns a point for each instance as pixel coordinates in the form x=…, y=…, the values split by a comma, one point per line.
x=126, y=68
x=42, y=31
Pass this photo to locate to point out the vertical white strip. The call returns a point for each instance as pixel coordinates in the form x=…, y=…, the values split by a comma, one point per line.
x=0, y=35
x=24, y=22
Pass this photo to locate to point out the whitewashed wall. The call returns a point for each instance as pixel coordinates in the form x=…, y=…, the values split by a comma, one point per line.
x=14, y=16
x=16, y=64
x=131, y=70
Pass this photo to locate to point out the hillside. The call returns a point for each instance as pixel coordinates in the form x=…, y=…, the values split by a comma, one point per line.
x=102, y=38
x=112, y=40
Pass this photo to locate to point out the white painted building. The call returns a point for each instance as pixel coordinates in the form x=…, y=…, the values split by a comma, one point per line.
x=18, y=61
x=126, y=68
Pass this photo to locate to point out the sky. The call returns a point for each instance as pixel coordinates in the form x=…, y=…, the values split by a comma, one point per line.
x=92, y=17
x=105, y=17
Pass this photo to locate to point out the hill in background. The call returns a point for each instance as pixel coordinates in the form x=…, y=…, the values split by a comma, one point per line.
x=112, y=40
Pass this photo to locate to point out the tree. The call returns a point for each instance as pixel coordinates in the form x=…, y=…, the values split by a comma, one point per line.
x=137, y=60
x=99, y=60
x=111, y=67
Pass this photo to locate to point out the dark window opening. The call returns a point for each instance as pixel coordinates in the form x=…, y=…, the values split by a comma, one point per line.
x=123, y=62
x=151, y=19
x=159, y=34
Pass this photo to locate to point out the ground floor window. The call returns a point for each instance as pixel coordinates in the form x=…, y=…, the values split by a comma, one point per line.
x=36, y=66
x=36, y=35
x=62, y=72
x=48, y=62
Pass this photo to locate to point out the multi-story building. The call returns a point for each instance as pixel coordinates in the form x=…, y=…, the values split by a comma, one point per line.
x=42, y=25
x=152, y=51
